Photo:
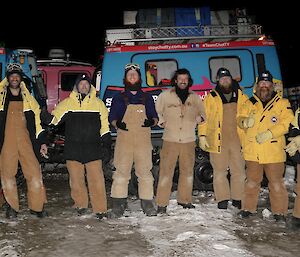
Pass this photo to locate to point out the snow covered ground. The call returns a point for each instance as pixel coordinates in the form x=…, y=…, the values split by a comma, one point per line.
x=204, y=231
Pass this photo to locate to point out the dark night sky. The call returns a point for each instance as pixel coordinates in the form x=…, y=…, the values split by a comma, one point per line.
x=79, y=28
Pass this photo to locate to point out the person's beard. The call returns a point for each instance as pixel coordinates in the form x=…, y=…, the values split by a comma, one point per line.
x=132, y=87
x=264, y=94
x=226, y=89
x=182, y=93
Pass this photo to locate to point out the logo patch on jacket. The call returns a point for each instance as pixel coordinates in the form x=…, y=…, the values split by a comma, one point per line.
x=274, y=119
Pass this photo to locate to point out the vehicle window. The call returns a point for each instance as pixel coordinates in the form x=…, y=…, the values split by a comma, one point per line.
x=160, y=72
x=232, y=63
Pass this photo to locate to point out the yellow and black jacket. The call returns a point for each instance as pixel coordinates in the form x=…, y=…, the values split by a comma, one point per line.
x=212, y=128
x=86, y=120
x=275, y=116
x=31, y=110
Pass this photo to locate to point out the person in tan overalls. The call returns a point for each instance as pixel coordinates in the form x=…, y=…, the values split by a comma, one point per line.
x=20, y=141
x=179, y=110
x=132, y=113
x=221, y=137
x=293, y=149
x=2, y=199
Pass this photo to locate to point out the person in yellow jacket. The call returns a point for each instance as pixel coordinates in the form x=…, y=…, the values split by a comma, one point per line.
x=22, y=139
x=293, y=149
x=264, y=146
x=221, y=137
x=87, y=135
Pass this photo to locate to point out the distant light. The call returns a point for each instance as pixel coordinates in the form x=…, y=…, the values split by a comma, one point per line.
x=262, y=38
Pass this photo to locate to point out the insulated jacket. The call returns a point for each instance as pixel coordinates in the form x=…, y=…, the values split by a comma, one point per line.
x=212, y=128
x=179, y=120
x=275, y=117
x=31, y=111
x=86, y=120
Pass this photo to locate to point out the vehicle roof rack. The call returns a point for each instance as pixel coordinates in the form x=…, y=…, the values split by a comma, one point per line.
x=61, y=62
x=184, y=34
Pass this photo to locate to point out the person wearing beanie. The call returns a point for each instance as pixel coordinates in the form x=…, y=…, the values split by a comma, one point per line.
x=22, y=140
x=263, y=147
x=222, y=138
x=87, y=138
x=179, y=110
x=133, y=114
x=293, y=149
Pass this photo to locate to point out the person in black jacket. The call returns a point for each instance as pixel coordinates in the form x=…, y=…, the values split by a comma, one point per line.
x=87, y=135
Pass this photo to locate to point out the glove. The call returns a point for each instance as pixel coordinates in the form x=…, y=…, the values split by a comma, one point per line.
x=148, y=123
x=106, y=140
x=203, y=143
x=246, y=122
x=264, y=136
x=121, y=125
x=46, y=117
x=293, y=146
x=296, y=140
x=106, y=143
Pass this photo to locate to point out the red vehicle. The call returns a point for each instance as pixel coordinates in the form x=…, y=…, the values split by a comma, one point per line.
x=59, y=74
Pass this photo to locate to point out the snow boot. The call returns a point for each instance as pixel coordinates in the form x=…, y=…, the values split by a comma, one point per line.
x=294, y=223
x=100, y=215
x=39, y=214
x=245, y=214
x=11, y=213
x=279, y=218
x=187, y=205
x=223, y=204
x=237, y=203
x=118, y=208
x=148, y=207
x=162, y=210
x=81, y=211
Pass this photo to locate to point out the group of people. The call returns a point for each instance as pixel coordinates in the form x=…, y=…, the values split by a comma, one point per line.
x=244, y=136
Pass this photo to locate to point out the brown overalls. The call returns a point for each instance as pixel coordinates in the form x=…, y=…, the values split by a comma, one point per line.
x=17, y=146
x=170, y=153
x=133, y=146
x=96, y=185
x=230, y=156
x=278, y=192
x=296, y=211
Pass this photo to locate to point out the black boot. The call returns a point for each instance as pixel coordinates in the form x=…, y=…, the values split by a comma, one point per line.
x=237, y=203
x=39, y=214
x=162, y=210
x=11, y=213
x=187, y=205
x=279, y=218
x=118, y=208
x=245, y=214
x=294, y=223
x=148, y=207
x=223, y=204
x=81, y=211
x=101, y=215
